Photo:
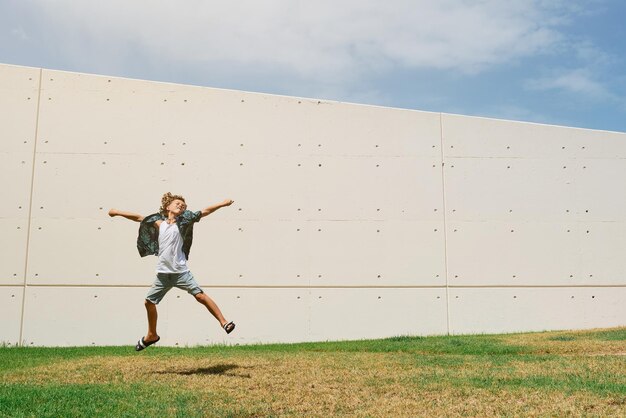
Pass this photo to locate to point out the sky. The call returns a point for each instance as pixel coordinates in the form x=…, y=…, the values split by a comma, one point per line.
x=546, y=61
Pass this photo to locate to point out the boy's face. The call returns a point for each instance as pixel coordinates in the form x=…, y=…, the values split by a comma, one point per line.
x=177, y=207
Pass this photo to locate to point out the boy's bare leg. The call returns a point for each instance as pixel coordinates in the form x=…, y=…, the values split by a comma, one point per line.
x=211, y=306
x=151, y=309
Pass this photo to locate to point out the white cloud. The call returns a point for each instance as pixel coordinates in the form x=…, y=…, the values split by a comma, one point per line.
x=578, y=81
x=19, y=33
x=593, y=57
x=516, y=112
x=329, y=41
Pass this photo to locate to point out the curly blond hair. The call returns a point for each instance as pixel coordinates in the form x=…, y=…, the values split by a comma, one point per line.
x=167, y=199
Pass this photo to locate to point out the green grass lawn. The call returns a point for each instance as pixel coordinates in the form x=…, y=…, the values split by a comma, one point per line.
x=550, y=373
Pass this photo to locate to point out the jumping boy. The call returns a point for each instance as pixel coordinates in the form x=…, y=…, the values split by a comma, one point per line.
x=168, y=234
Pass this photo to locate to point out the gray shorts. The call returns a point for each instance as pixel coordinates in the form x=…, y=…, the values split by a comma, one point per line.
x=165, y=281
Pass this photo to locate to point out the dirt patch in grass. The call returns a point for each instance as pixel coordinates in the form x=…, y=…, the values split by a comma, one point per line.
x=588, y=342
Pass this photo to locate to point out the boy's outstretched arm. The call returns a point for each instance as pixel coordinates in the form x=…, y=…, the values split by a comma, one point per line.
x=128, y=215
x=211, y=209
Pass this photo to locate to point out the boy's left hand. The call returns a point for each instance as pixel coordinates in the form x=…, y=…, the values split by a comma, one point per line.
x=228, y=202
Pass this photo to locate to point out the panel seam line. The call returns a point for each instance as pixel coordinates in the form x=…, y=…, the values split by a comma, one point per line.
x=445, y=241
x=30, y=208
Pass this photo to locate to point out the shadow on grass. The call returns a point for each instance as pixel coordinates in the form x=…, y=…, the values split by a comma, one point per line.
x=218, y=369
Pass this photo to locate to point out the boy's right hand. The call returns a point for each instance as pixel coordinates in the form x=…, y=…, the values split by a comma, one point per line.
x=112, y=212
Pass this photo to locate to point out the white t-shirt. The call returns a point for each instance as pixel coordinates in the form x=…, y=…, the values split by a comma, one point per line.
x=171, y=256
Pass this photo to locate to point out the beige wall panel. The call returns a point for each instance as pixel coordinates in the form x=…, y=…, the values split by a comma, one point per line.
x=272, y=187
x=116, y=316
x=602, y=247
x=534, y=189
x=249, y=253
x=80, y=184
x=350, y=253
x=466, y=136
x=485, y=310
x=19, y=88
x=119, y=317
x=76, y=316
x=370, y=130
x=18, y=121
x=86, y=186
x=261, y=253
x=376, y=188
x=13, y=256
x=85, y=251
x=510, y=189
x=261, y=316
x=535, y=253
x=597, y=197
x=356, y=254
x=119, y=115
x=344, y=314
x=130, y=115
x=263, y=187
x=11, y=314
x=307, y=126
x=15, y=180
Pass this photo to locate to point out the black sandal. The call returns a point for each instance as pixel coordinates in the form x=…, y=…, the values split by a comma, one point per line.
x=229, y=327
x=141, y=344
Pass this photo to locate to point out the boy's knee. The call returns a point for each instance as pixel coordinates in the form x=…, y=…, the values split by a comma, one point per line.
x=147, y=303
x=199, y=296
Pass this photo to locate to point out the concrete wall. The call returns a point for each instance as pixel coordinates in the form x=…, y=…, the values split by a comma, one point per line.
x=349, y=221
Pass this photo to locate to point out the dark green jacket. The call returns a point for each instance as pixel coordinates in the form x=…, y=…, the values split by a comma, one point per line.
x=148, y=239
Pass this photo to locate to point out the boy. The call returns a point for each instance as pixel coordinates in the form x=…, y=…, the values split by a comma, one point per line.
x=168, y=234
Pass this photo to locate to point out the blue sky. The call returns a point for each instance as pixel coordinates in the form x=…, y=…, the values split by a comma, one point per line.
x=547, y=61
